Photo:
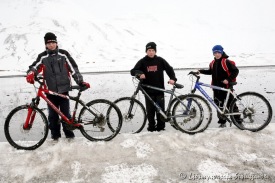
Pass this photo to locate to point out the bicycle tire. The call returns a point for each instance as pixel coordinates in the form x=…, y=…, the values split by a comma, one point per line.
x=256, y=111
x=198, y=119
x=27, y=139
x=135, y=122
x=109, y=115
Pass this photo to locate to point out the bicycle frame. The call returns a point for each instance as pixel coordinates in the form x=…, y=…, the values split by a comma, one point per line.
x=171, y=92
x=41, y=94
x=230, y=91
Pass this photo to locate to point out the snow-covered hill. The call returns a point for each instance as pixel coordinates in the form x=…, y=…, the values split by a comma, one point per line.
x=111, y=35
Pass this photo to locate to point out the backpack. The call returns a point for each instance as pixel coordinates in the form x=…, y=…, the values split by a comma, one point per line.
x=224, y=66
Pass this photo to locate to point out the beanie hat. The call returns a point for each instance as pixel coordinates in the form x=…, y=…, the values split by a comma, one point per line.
x=217, y=48
x=151, y=45
x=50, y=37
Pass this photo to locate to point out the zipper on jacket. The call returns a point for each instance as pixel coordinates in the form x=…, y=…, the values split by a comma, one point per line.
x=59, y=66
x=52, y=66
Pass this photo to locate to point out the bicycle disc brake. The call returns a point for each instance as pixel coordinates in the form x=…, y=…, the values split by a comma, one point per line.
x=100, y=122
x=191, y=114
x=248, y=113
x=127, y=117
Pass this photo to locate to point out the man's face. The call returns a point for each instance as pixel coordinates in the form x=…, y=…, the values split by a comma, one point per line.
x=217, y=55
x=151, y=53
x=51, y=45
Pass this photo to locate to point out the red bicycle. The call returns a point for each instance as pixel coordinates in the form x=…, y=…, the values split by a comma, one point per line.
x=26, y=127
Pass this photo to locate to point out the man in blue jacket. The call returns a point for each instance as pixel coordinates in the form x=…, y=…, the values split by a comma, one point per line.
x=150, y=69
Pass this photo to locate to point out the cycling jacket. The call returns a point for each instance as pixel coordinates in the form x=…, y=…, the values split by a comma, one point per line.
x=57, y=66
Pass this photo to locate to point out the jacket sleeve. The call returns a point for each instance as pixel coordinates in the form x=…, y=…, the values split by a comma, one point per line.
x=137, y=70
x=37, y=65
x=73, y=67
x=206, y=71
x=169, y=70
x=234, y=71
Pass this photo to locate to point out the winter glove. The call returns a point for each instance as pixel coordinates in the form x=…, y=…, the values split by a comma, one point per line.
x=87, y=85
x=30, y=77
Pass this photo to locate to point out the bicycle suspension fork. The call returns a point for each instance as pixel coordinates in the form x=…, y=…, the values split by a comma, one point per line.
x=31, y=113
x=132, y=102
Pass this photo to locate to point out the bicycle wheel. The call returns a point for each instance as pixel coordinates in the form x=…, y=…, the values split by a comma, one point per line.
x=30, y=138
x=192, y=114
x=97, y=129
x=135, y=121
x=255, y=112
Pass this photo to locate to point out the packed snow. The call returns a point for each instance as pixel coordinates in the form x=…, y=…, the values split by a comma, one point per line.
x=111, y=36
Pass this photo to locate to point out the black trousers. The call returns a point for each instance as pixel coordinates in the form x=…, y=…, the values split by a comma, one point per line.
x=152, y=111
x=64, y=105
x=219, y=97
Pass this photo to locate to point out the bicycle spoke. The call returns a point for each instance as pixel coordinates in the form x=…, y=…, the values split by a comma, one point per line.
x=134, y=121
x=255, y=111
x=26, y=138
x=105, y=125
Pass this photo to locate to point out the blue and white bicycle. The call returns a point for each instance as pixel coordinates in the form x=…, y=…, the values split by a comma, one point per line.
x=254, y=112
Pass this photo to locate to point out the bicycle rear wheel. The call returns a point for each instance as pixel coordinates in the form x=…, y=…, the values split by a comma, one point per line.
x=192, y=114
x=105, y=126
x=255, y=112
x=134, y=121
x=26, y=138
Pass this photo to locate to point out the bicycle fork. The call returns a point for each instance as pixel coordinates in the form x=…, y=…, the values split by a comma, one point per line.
x=31, y=114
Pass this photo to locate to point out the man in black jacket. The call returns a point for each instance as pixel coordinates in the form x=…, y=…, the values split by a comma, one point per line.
x=57, y=66
x=220, y=77
x=150, y=69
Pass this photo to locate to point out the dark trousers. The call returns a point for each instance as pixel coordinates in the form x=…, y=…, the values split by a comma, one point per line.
x=64, y=105
x=219, y=97
x=152, y=111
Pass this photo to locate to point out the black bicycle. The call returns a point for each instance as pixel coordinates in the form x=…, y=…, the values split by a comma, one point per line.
x=181, y=115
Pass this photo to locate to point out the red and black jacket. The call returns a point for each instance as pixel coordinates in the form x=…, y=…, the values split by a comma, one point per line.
x=219, y=73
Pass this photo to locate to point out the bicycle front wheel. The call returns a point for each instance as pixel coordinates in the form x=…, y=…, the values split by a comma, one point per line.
x=192, y=114
x=133, y=113
x=253, y=111
x=21, y=137
x=100, y=119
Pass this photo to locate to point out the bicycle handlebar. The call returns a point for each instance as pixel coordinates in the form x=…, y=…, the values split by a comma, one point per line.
x=196, y=74
x=176, y=85
x=75, y=87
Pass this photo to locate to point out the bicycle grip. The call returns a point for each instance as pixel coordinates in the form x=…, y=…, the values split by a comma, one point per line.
x=75, y=87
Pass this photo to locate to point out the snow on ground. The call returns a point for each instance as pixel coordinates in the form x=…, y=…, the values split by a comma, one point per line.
x=111, y=36
x=217, y=155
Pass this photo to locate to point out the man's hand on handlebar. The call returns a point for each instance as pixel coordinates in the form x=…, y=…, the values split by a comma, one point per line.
x=84, y=84
x=172, y=82
x=30, y=77
x=140, y=76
